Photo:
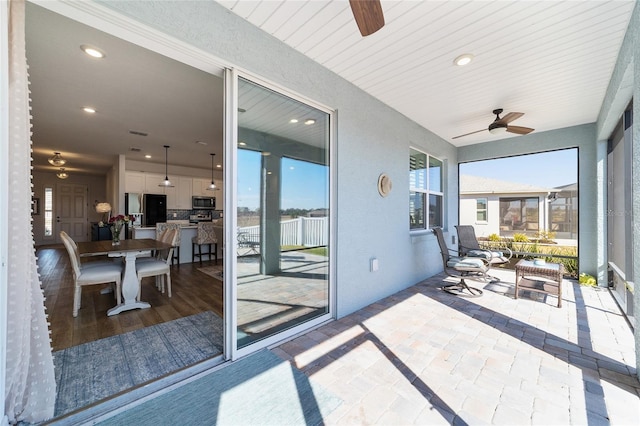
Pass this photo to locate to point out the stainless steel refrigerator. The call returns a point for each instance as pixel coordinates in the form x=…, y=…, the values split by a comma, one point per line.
x=154, y=209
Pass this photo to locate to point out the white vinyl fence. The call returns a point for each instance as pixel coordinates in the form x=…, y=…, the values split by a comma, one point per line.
x=302, y=231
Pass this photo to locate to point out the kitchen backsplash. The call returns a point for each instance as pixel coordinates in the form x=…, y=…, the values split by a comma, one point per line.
x=184, y=214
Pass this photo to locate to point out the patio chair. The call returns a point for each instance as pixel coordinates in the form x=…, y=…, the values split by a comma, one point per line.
x=468, y=246
x=461, y=267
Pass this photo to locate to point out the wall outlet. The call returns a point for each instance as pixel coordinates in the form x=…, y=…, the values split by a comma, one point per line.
x=175, y=214
x=374, y=264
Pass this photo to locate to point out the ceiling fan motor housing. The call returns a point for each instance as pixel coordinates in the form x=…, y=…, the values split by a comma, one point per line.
x=497, y=127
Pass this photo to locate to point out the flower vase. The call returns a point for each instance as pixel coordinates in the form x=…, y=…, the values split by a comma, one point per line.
x=115, y=234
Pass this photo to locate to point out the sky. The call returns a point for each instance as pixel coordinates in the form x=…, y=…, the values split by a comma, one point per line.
x=304, y=185
x=548, y=169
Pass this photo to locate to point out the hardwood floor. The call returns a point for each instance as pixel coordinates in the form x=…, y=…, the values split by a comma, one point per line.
x=192, y=292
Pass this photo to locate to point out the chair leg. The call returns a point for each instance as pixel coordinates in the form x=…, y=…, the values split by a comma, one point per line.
x=215, y=253
x=168, y=282
x=200, y=253
x=76, y=300
x=462, y=289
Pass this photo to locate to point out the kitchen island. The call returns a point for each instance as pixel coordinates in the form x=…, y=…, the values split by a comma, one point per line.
x=187, y=232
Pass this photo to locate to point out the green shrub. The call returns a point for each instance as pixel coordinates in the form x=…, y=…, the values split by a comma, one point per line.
x=494, y=237
x=520, y=238
x=545, y=236
x=587, y=280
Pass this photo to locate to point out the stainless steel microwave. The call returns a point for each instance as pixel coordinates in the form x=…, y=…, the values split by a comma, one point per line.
x=203, y=203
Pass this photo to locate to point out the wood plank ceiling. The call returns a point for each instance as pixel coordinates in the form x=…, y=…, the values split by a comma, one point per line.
x=551, y=60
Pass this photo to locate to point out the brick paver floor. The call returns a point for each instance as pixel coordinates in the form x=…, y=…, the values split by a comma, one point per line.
x=423, y=356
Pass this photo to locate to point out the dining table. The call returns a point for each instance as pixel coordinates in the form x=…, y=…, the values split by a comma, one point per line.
x=130, y=250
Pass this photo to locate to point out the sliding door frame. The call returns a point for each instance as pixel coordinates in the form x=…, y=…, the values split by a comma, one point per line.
x=230, y=257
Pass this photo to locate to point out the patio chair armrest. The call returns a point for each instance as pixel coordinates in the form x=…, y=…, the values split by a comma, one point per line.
x=506, y=251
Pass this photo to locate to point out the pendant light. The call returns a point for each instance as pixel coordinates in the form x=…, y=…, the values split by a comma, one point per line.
x=212, y=186
x=166, y=182
x=57, y=160
x=62, y=174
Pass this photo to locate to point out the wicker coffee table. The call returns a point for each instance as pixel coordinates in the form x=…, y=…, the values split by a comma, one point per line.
x=542, y=278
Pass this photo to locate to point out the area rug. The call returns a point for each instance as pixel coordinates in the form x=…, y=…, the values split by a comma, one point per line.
x=92, y=371
x=261, y=389
x=212, y=271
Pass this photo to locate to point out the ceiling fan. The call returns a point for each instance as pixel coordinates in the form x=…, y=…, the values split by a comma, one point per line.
x=501, y=125
x=368, y=15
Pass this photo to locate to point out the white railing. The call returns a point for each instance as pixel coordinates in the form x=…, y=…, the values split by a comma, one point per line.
x=302, y=231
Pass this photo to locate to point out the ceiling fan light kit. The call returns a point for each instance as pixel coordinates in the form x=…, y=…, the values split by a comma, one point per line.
x=501, y=125
x=497, y=128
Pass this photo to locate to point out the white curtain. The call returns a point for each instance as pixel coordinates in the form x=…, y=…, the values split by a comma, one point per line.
x=30, y=382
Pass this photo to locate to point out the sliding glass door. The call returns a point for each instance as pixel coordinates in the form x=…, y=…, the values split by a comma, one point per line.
x=283, y=210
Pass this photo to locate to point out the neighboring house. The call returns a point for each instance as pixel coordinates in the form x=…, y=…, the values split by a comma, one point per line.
x=504, y=208
x=370, y=137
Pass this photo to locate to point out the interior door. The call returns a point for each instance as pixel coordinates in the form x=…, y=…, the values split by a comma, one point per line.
x=71, y=211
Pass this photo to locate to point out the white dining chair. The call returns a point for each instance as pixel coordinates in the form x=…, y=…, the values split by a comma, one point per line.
x=90, y=273
x=159, y=267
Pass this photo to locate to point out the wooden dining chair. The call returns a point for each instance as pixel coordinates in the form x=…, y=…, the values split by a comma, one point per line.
x=161, y=230
x=160, y=267
x=90, y=273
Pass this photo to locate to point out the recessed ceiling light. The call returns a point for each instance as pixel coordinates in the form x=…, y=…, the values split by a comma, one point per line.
x=463, y=60
x=201, y=143
x=309, y=121
x=147, y=156
x=242, y=144
x=89, y=110
x=219, y=166
x=242, y=110
x=94, y=52
x=293, y=120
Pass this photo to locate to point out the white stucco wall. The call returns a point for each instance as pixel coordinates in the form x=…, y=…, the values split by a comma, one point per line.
x=371, y=138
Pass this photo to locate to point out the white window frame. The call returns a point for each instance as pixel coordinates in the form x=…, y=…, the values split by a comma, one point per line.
x=486, y=210
x=427, y=191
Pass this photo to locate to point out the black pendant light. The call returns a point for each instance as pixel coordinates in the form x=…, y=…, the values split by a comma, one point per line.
x=212, y=186
x=166, y=183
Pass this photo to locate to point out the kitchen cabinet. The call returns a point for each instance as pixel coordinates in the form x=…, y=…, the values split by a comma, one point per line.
x=134, y=182
x=200, y=187
x=179, y=197
x=143, y=183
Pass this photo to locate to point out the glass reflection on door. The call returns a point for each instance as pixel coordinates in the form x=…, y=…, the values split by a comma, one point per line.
x=283, y=213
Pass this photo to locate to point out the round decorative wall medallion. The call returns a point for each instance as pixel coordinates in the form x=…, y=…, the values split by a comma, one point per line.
x=384, y=184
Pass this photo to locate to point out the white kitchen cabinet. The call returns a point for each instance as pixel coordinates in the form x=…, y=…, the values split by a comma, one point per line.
x=179, y=197
x=143, y=183
x=151, y=183
x=200, y=187
x=134, y=182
